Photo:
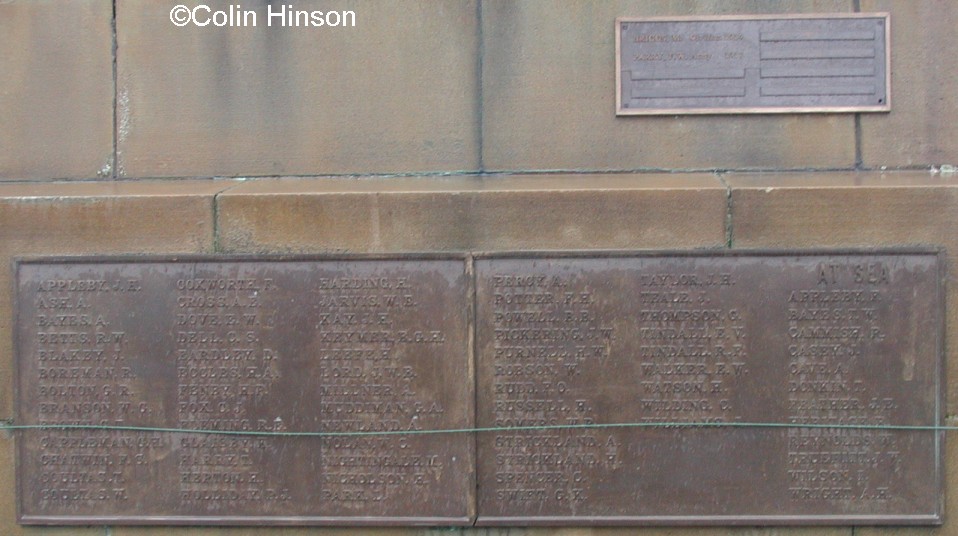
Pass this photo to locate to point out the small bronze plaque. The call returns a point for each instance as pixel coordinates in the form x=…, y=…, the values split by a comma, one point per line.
x=804, y=346
x=266, y=345
x=753, y=64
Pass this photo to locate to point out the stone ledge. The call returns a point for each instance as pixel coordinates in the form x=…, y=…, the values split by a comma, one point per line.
x=470, y=214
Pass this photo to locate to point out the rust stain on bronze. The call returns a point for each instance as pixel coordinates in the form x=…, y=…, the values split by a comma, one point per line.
x=333, y=345
x=753, y=64
x=806, y=338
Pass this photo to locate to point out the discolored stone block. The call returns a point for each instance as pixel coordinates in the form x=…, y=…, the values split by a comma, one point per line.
x=88, y=218
x=923, y=125
x=549, y=97
x=396, y=93
x=494, y=213
x=56, y=93
x=851, y=210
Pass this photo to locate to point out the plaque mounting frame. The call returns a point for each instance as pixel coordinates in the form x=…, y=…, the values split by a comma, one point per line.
x=469, y=259
x=621, y=110
x=417, y=519
x=935, y=513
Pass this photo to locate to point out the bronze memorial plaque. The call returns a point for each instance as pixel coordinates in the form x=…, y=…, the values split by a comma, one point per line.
x=281, y=345
x=753, y=64
x=821, y=359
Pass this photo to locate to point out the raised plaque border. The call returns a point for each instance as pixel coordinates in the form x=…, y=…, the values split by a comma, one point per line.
x=468, y=258
x=214, y=520
x=620, y=111
x=935, y=518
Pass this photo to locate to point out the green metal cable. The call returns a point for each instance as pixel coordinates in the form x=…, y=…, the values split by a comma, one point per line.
x=590, y=426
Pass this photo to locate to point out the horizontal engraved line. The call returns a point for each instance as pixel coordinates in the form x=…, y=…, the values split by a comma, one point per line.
x=688, y=74
x=796, y=91
x=817, y=53
x=800, y=81
x=824, y=72
x=687, y=92
x=865, y=35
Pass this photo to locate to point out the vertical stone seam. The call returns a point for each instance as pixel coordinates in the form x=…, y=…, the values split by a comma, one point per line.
x=215, y=212
x=215, y=227
x=859, y=160
x=116, y=164
x=481, y=46
x=728, y=210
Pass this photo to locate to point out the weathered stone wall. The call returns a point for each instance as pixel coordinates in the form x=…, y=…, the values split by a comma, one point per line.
x=451, y=125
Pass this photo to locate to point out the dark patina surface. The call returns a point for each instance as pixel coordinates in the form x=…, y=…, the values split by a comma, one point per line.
x=333, y=345
x=374, y=346
x=753, y=64
x=805, y=338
